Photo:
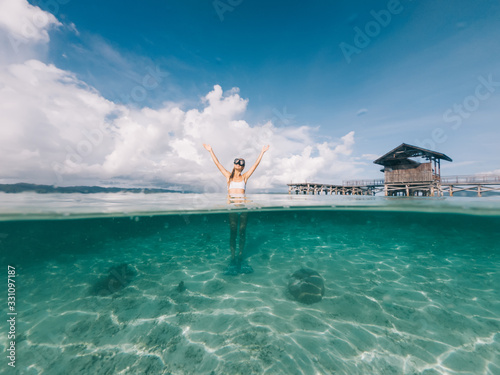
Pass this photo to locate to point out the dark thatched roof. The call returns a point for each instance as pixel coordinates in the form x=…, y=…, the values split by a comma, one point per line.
x=400, y=155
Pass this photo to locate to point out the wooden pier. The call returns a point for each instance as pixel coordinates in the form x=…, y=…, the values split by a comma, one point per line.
x=315, y=188
x=406, y=177
x=448, y=185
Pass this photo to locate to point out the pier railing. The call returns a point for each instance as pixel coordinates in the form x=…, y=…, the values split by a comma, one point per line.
x=460, y=179
x=449, y=184
x=471, y=179
x=379, y=182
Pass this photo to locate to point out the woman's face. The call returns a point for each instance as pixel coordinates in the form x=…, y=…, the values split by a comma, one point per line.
x=237, y=164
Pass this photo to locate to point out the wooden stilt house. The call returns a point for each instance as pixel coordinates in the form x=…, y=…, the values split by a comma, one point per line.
x=404, y=176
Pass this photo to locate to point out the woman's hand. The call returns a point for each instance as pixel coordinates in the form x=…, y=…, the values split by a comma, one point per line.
x=265, y=148
x=208, y=147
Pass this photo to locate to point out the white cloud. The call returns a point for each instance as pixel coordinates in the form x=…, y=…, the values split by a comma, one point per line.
x=58, y=130
x=24, y=31
x=72, y=27
x=24, y=22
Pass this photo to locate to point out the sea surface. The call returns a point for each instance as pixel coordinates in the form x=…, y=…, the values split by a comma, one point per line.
x=129, y=283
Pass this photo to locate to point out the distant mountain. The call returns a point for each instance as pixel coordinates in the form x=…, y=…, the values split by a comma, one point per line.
x=46, y=189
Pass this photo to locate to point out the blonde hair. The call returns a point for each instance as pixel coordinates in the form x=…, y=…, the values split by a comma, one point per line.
x=230, y=178
x=232, y=175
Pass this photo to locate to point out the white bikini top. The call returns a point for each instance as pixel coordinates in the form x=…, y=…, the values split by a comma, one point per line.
x=237, y=184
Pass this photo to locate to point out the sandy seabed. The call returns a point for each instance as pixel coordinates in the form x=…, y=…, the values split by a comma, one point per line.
x=387, y=309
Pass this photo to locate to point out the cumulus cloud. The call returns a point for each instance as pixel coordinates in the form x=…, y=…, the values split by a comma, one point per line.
x=24, y=31
x=24, y=22
x=56, y=129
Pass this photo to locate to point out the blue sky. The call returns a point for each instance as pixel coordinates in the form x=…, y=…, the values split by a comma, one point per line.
x=419, y=72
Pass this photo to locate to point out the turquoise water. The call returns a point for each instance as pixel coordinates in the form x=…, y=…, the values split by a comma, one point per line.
x=412, y=286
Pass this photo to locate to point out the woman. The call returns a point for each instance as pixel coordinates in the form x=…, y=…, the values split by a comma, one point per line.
x=236, y=186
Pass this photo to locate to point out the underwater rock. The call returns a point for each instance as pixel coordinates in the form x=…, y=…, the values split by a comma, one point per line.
x=306, y=286
x=181, y=287
x=118, y=278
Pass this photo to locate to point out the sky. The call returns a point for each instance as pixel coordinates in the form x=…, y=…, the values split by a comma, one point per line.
x=125, y=93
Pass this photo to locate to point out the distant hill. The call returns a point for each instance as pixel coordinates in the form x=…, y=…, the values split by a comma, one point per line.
x=47, y=189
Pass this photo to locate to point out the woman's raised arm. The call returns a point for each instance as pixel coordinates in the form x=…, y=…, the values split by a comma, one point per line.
x=247, y=175
x=214, y=158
